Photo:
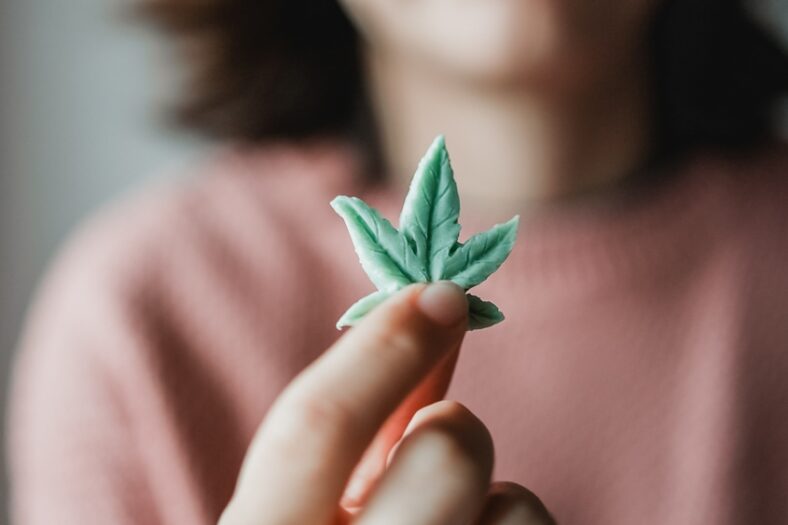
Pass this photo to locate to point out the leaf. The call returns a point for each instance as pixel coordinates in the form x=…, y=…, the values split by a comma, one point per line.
x=482, y=314
x=384, y=254
x=431, y=209
x=426, y=248
x=361, y=308
x=482, y=255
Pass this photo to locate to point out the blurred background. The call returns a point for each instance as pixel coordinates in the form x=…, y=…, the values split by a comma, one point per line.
x=81, y=88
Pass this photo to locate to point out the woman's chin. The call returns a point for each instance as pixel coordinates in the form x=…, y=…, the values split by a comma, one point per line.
x=520, y=62
x=501, y=41
x=482, y=41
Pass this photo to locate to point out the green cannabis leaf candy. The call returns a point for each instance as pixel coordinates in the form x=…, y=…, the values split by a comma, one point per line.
x=426, y=247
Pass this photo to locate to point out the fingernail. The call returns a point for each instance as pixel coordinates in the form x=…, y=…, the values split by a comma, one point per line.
x=444, y=303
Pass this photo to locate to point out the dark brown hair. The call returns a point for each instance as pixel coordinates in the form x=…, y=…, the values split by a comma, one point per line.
x=261, y=69
x=270, y=69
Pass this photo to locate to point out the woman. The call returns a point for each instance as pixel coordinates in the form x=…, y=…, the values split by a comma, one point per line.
x=638, y=378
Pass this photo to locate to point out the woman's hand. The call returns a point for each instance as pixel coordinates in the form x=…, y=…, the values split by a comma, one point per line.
x=361, y=395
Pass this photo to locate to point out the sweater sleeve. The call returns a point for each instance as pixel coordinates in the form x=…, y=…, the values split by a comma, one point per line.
x=161, y=336
x=102, y=415
x=72, y=454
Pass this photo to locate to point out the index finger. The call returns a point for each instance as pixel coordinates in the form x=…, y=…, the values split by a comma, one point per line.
x=317, y=430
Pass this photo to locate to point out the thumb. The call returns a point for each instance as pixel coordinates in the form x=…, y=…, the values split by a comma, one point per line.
x=432, y=389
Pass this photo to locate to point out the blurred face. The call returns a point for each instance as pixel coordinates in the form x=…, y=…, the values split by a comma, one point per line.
x=552, y=42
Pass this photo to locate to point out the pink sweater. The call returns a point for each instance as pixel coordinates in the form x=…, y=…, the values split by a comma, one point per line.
x=641, y=376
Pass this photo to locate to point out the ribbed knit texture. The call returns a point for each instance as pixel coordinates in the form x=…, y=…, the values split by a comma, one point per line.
x=641, y=376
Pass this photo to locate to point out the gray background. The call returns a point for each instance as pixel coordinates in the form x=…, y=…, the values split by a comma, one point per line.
x=78, y=113
x=80, y=86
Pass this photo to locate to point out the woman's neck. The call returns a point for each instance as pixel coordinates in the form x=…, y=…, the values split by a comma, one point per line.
x=512, y=148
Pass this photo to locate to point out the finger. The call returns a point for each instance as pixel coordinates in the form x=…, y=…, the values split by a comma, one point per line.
x=512, y=504
x=373, y=463
x=439, y=474
x=318, y=428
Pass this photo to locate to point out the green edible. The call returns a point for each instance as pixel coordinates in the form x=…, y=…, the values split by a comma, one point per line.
x=426, y=247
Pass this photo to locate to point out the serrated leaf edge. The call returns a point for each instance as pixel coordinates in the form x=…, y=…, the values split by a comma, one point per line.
x=507, y=239
x=362, y=307
x=476, y=321
x=407, y=273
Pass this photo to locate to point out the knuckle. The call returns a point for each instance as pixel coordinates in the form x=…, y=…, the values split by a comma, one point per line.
x=445, y=407
x=457, y=420
x=325, y=414
x=449, y=453
x=448, y=448
x=399, y=341
x=311, y=422
x=513, y=503
x=448, y=410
